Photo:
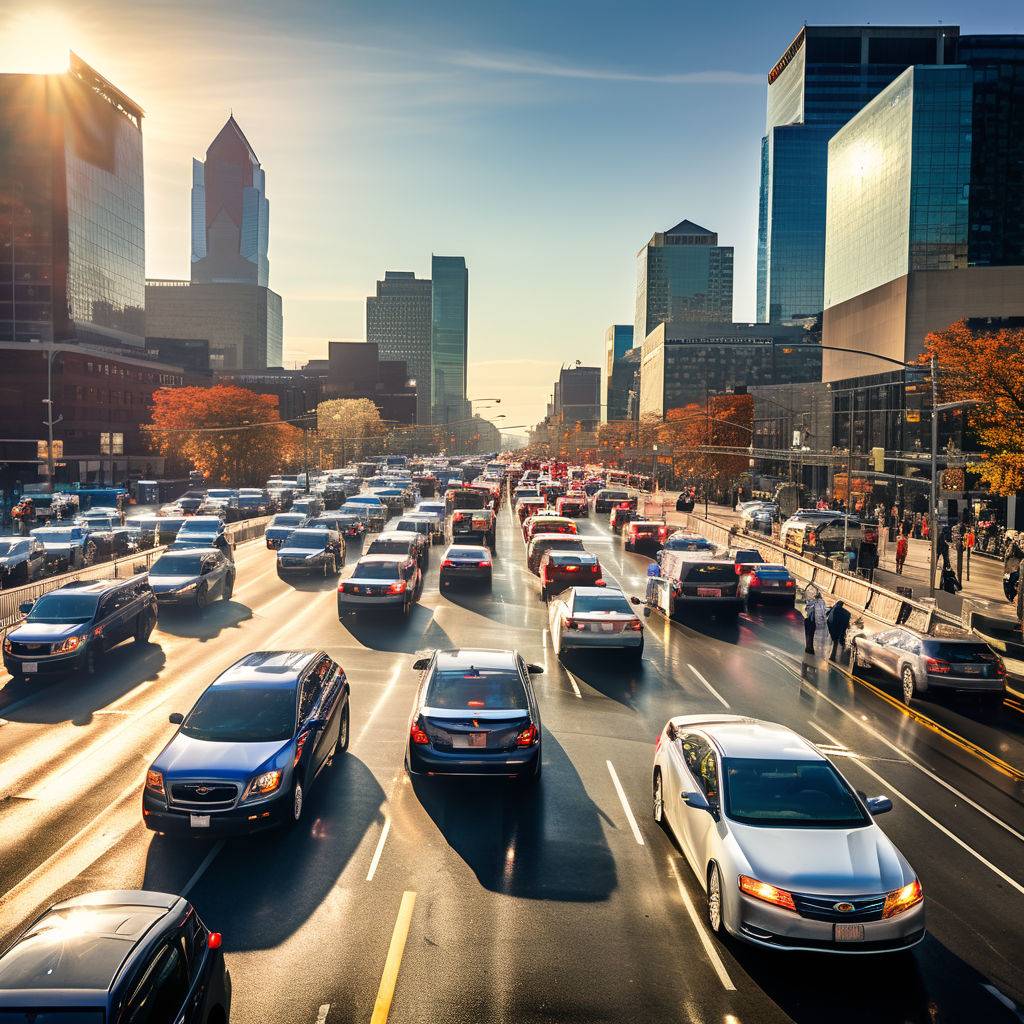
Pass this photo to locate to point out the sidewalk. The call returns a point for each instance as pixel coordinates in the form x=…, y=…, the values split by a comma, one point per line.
x=985, y=584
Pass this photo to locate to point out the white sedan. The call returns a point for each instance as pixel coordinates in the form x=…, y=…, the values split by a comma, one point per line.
x=583, y=618
x=786, y=850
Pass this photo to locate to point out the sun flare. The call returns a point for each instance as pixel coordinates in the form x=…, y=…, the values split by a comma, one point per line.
x=36, y=42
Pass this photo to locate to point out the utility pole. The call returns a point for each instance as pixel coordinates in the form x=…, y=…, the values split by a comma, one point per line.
x=934, y=498
x=49, y=422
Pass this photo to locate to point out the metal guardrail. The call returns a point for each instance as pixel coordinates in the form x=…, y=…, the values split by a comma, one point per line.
x=118, y=568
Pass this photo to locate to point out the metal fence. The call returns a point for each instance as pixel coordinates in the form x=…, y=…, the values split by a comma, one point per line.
x=118, y=568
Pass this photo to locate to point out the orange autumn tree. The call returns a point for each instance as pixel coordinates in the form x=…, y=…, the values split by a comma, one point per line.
x=201, y=427
x=725, y=422
x=987, y=367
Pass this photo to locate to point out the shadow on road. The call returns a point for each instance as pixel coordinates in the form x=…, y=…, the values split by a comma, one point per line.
x=191, y=624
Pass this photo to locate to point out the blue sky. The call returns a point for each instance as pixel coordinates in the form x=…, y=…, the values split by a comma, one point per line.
x=544, y=141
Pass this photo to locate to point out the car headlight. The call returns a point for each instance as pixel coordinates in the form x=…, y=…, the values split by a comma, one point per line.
x=263, y=784
x=316, y=554
x=155, y=782
x=72, y=643
x=188, y=588
x=903, y=899
x=7, y=646
x=766, y=892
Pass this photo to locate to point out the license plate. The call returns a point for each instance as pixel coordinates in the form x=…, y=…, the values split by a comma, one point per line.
x=771, y=583
x=709, y=592
x=470, y=739
x=849, y=932
x=30, y=666
x=607, y=627
x=970, y=670
x=199, y=820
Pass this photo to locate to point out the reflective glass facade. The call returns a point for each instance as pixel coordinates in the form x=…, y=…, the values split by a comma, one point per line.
x=449, y=330
x=618, y=340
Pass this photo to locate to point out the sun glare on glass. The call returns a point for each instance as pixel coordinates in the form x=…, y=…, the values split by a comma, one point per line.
x=37, y=42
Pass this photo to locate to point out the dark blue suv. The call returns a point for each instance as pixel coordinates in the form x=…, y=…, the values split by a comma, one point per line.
x=116, y=957
x=247, y=754
x=71, y=628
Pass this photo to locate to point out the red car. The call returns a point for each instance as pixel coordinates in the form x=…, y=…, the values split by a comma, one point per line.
x=624, y=512
x=574, y=505
x=560, y=570
x=646, y=535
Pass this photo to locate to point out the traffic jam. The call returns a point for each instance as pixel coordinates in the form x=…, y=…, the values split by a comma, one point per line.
x=525, y=697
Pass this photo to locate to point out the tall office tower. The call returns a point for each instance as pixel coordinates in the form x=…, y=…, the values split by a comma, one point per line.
x=449, y=330
x=618, y=341
x=398, y=322
x=230, y=212
x=72, y=225
x=827, y=74
x=682, y=275
x=577, y=397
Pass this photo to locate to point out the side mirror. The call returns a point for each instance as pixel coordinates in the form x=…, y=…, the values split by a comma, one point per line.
x=534, y=669
x=695, y=799
x=635, y=600
x=175, y=718
x=421, y=664
x=878, y=804
x=25, y=607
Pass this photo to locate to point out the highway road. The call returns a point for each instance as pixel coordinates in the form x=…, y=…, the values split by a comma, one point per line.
x=448, y=901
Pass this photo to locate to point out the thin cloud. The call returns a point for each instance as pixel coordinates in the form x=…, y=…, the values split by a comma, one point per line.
x=531, y=64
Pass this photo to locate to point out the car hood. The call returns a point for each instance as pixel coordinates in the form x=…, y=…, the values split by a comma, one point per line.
x=852, y=861
x=37, y=632
x=11, y=559
x=188, y=757
x=166, y=584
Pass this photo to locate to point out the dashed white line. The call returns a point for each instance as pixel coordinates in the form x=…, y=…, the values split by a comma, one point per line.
x=574, y=684
x=625, y=804
x=201, y=870
x=379, y=849
x=714, y=693
x=321, y=1014
x=705, y=939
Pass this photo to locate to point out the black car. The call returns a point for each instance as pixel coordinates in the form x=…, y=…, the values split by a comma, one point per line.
x=606, y=498
x=116, y=957
x=22, y=559
x=309, y=551
x=248, y=753
x=475, y=713
x=466, y=563
x=71, y=628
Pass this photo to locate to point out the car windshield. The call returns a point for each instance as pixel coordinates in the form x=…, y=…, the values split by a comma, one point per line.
x=54, y=536
x=8, y=547
x=389, y=547
x=971, y=654
x=377, y=570
x=688, y=544
x=411, y=526
x=67, y=608
x=177, y=565
x=708, y=572
x=473, y=689
x=804, y=794
x=601, y=603
x=242, y=714
x=466, y=553
x=308, y=540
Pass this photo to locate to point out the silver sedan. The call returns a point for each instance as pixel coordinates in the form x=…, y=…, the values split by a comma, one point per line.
x=787, y=851
x=583, y=618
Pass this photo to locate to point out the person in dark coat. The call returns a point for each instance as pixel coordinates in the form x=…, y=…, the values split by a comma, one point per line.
x=838, y=621
x=942, y=548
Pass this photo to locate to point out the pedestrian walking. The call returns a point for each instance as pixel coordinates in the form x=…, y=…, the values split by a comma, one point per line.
x=902, y=544
x=814, y=618
x=917, y=526
x=942, y=548
x=838, y=621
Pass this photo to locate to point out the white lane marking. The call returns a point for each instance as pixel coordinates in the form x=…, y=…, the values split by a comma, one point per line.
x=714, y=693
x=379, y=849
x=574, y=684
x=544, y=637
x=201, y=870
x=827, y=735
x=321, y=1014
x=625, y=804
x=705, y=939
x=391, y=683
x=942, y=828
x=1005, y=1000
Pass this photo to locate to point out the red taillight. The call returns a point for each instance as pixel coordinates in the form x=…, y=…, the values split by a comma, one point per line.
x=570, y=623
x=662, y=532
x=738, y=568
x=1000, y=668
x=570, y=568
x=397, y=588
x=636, y=625
x=600, y=583
x=475, y=703
x=528, y=736
x=755, y=580
x=458, y=517
x=790, y=583
x=214, y=940
x=939, y=668
x=484, y=565
x=633, y=531
x=341, y=588
x=417, y=735
x=447, y=564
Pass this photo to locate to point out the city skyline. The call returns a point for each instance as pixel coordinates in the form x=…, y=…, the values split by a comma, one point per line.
x=504, y=136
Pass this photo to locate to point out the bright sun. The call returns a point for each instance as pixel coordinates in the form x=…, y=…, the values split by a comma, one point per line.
x=37, y=42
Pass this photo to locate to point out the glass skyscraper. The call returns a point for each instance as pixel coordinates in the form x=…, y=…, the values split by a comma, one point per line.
x=72, y=222
x=825, y=77
x=449, y=331
x=618, y=341
x=230, y=212
x=682, y=275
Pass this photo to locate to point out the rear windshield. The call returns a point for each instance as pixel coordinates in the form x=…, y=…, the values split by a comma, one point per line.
x=477, y=690
x=242, y=714
x=708, y=572
x=748, y=557
x=466, y=553
x=69, y=608
x=287, y=520
x=964, y=654
x=601, y=603
x=377, y=570
x=566, y=541
x=389, y=547
x=412, y=526
x=176, y=565
x=688, y=544
x=615, y=495
x=557, y=558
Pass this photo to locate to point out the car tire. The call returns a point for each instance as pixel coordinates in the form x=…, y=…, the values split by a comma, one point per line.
x=714, y=910
x=636, y=653
x=658, y=798
x=908, y=685
x=297, y=804
x=143, y=627
x=344, y=731
x=202, y=598
x=229, y=588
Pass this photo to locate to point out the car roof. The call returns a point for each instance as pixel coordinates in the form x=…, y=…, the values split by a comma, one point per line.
x=751, y=737
x=562, y=538
x=394, y=535
x=172, y=550
x=270, y=668
x=597, y=591
x=378, y=559
x=576, y=556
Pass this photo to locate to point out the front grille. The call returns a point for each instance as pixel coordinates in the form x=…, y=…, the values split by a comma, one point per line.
x=823, y=908
x=25, y=649
x=293, y=562
x=209, y=795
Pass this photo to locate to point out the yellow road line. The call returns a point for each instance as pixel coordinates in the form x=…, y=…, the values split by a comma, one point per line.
x=393, y=963
x=1016, y=693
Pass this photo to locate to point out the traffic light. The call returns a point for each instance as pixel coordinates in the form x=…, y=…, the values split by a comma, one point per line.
x=878, y=459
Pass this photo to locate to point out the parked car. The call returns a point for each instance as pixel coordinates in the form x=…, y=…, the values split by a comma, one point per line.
x=767, y=583
x=66, y=547
x=386, y=582
x=282, y=525
x=543, y=542
x=22, y=559
x=922, y=664
x=560, y=570
x=465, y=563
x=785, y=848
x=608, y=497
x=121, y=956
x=195, y=577
x=586, y=617
x=309, y=551
x=645, y=535
x=71, y=628
x=247, y=755
x=475, y=713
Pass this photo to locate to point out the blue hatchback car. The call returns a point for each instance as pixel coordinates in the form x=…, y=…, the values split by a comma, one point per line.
x=247, y=754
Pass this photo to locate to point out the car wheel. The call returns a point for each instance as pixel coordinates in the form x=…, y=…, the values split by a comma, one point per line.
x=636, y=653
x=909, y=685
x=856, y=657
x=714, y=906
x=658, y=798
x=229, y=588
x=201, y=598
x=298, y=800
x=143, y=627
x=343, y=732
